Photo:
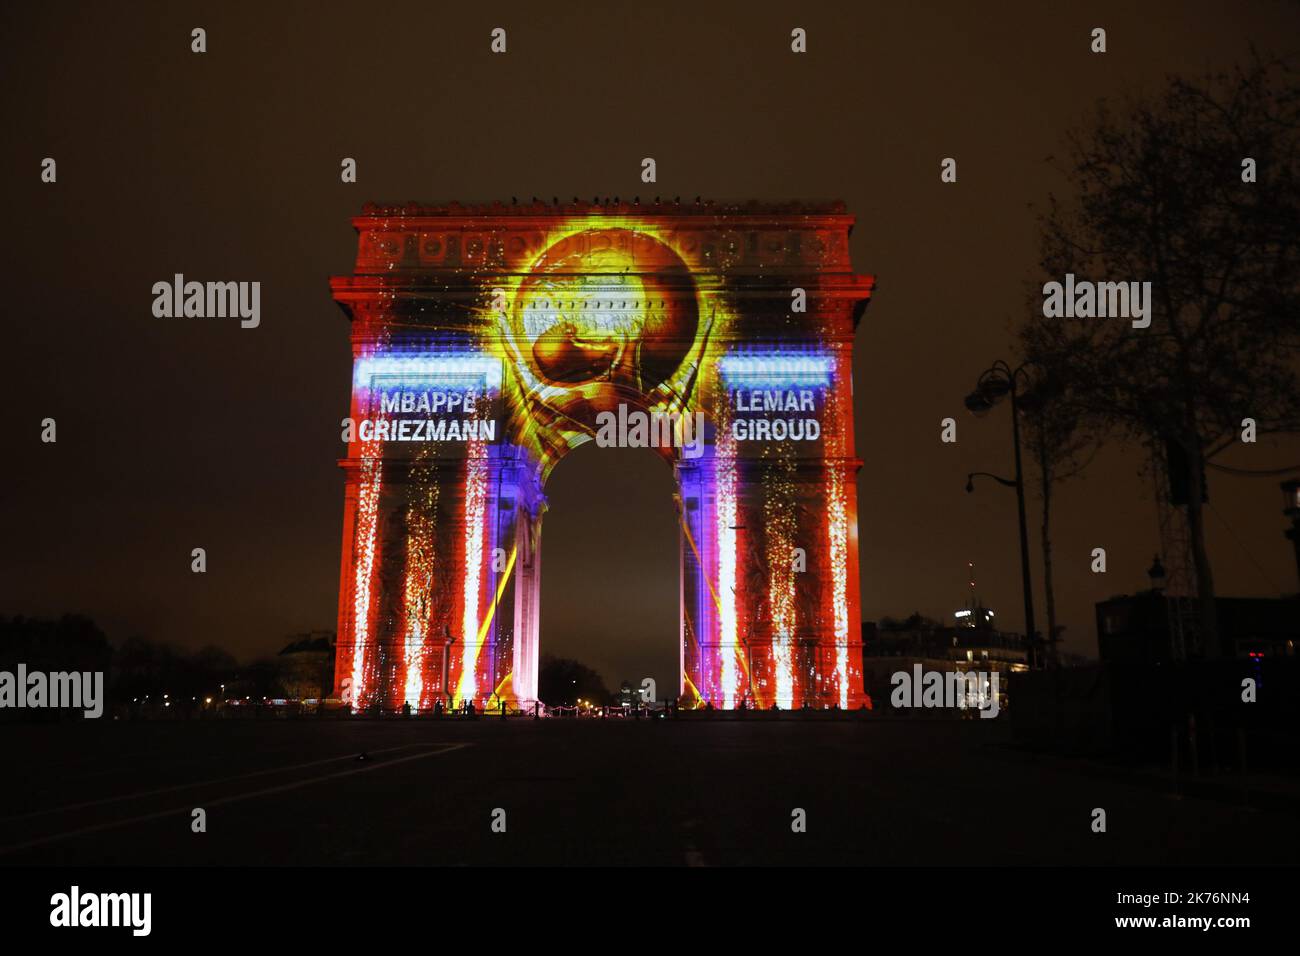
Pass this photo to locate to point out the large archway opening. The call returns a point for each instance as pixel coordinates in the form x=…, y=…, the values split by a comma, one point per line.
x=610, y=574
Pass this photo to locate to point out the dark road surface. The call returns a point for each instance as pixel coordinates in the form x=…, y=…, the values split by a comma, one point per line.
x=686, y=792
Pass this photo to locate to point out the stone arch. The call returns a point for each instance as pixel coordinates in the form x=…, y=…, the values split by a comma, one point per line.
x=489, y=340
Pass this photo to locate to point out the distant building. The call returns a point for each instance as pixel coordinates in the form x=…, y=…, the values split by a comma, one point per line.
x=305, y=667
x=977, y=616
x=629, y=696
x=971, y=644
x=1136, y=628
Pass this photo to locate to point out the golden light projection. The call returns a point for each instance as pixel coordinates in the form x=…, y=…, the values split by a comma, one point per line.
x=489, y=341
x=601, y=317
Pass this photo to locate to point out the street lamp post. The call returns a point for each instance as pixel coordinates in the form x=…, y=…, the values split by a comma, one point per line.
x=1157, y=575
x=1291, y=508
x=447, y=641
x=997, y=382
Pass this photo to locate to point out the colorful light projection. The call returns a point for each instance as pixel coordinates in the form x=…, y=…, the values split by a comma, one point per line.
x=488, y=341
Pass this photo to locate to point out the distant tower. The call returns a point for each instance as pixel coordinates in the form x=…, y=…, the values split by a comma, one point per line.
x=974, y=614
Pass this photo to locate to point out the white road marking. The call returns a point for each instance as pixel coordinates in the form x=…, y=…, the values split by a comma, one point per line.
x=199, y=783
x=252, y=794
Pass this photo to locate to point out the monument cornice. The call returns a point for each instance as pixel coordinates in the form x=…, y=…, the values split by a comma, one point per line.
x=544, y=213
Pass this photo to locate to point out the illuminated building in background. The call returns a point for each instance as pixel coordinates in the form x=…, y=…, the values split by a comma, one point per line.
x=491, y=340
x=974, y=614
x=977, y=616
x=971, y=643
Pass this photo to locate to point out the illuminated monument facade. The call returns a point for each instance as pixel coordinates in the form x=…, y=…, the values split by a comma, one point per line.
x=490, y=340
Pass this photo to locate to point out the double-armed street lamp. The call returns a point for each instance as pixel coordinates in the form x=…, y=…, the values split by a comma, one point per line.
x=994, y=384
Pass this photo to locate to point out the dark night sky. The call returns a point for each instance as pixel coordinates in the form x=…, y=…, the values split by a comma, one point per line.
x=182, y=433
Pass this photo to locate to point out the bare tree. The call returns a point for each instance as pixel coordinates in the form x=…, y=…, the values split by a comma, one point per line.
x=1196, y=191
